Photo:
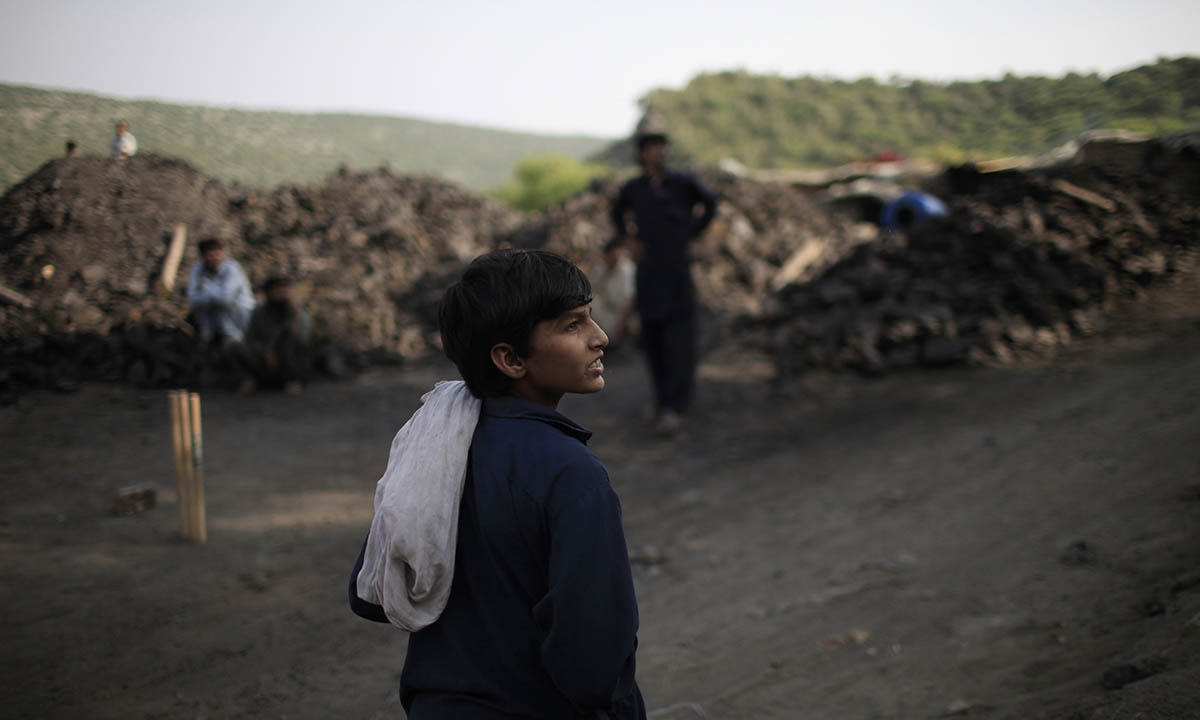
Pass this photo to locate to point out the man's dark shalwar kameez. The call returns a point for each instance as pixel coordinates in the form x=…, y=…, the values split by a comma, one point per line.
x=666, y=219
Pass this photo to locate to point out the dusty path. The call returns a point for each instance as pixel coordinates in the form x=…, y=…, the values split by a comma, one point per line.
x=982, y=543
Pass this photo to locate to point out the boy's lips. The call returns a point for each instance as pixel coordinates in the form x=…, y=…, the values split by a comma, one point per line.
x=597, y=366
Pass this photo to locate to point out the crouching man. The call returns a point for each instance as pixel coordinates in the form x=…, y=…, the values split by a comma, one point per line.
x=219, y=295
x=277, y=352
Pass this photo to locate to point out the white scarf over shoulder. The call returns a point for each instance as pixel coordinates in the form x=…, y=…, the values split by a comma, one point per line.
x=408, y=564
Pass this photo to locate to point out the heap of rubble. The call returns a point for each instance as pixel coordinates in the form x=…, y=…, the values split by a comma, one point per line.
x=84, y=242
x=360, y=245
x=1025, y=262
x=764, y=236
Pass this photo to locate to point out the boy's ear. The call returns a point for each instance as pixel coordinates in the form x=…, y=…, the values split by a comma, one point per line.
x=506, y=359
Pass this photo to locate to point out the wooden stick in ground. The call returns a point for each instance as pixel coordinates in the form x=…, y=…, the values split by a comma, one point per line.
x=185, y=433
x=189, y=475
x=199, y=520
x=174, y=406
x=170, y=268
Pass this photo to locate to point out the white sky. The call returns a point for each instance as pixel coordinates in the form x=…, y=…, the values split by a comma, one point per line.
x=552, y=66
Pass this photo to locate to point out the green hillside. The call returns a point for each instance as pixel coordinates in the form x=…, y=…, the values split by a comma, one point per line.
x=769, y=121
x=262, y=149
x=765, y=121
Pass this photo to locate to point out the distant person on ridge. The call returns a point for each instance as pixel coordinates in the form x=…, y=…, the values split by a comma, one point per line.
x=219, y=295
x=72, y=149
x=124, y=144
x=663, y=204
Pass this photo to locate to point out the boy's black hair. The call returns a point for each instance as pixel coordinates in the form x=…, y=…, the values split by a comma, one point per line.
x=500, y=298
x=210, y=243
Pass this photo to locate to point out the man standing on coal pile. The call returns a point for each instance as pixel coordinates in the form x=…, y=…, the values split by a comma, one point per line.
x=219, y=296
x=663, y=204
x=124, y=144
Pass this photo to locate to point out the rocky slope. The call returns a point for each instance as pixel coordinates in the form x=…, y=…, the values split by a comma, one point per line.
x=1026, y=261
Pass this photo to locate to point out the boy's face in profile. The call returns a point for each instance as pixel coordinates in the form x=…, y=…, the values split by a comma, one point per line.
x=564, y=356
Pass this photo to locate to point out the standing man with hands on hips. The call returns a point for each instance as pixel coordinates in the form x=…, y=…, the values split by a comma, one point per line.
x=663, y=205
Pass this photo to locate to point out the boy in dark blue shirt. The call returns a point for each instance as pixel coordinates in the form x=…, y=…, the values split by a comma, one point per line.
x=541, y=620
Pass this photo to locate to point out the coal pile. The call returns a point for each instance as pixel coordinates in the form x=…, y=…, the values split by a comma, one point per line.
x=763, y=236
x=1026, y=262
x=368, y=250
x=84, y=242
x=85, y=238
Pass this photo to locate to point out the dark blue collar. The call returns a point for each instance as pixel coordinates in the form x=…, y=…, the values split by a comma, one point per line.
x=517, y=408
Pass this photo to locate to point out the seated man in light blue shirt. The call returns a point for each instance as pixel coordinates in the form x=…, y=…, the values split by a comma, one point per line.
x=219, y=295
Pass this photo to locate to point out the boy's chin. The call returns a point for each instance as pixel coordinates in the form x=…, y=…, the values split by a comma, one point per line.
x=593, y=386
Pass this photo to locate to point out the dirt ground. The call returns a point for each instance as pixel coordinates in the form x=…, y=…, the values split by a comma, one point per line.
x=995, y=543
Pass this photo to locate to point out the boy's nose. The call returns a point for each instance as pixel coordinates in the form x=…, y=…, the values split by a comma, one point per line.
x=601, y=338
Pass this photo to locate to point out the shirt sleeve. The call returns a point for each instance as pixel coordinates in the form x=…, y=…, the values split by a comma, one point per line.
x=303, y=326
x=703, y=196
x=199, y=291
x=627, y=273
x=193, y=286
x=589, y=614
x=235, y=288
x=620, y=205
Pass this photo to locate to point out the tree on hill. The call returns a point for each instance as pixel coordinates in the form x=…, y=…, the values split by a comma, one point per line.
x=770, y=121
x=543, y=180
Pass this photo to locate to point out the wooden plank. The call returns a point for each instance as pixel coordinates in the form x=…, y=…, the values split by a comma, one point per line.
x=170, y=268
x=15, y=297
x=1083, y=194
x=199, y=519
x=1004, y=163
x=189, y=472
x=175, y=405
